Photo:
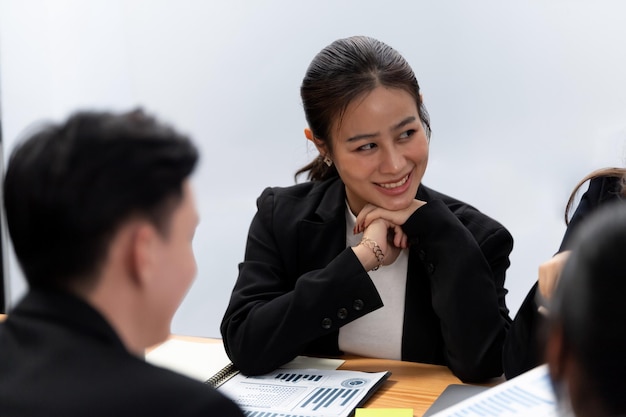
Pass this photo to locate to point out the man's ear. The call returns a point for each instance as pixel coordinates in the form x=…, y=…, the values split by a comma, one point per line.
x=143, y=253
x=320, y=145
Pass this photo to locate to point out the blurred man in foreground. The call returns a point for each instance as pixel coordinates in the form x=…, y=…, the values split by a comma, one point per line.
x=101, y=214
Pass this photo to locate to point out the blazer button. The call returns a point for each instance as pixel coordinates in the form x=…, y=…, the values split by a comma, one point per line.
x=342, y=313
x=430, y=268
x=358, y=305
x=326, y=323
x=421, y=254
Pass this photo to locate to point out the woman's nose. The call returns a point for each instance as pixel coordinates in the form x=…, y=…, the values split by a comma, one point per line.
x=392, y=161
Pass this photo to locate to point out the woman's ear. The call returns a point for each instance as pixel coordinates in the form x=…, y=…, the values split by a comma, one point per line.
x=320, y=145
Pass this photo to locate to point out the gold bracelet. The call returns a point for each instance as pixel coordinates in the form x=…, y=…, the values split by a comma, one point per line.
x=378, y=253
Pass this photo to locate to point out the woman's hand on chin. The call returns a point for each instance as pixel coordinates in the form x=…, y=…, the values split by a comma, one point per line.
x=370, y=212
x=384, y=227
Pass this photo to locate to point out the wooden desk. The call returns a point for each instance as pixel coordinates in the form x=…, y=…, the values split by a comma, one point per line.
x=411, y=385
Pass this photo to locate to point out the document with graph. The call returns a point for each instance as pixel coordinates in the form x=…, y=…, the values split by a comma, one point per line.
x=529, y=394
x=303, y=392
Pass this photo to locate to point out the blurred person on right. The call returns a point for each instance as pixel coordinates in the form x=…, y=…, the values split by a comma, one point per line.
x=586, y=331
x=525, y=341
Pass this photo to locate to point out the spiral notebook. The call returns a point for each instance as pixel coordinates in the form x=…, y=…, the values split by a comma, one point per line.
x=202, y=361
x=222, y=375
x=209, y=363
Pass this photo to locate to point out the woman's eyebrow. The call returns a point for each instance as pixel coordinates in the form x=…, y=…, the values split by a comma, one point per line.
x=404, y=122
x=363, y=136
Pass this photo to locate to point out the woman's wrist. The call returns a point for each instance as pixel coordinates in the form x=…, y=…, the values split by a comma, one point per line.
x=369, y=253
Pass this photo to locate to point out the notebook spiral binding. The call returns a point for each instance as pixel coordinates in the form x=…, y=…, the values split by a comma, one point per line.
x=222, y=375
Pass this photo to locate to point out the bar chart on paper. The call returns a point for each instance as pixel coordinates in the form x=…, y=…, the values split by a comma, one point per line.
x=528, y=394
x=302, y=392
x=287, y=377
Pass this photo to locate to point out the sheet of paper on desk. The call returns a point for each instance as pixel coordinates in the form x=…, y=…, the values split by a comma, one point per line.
x=303, y=392
x=528, y=394
x=201, y=361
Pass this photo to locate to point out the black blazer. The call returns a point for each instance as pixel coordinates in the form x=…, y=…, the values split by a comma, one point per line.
x=59, y=357
x=299, y=283
x=524, y=345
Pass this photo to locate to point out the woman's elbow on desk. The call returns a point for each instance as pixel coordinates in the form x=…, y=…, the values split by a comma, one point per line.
x=252, y=356
x=252, y=361
x=480, y=361
x=479, y=369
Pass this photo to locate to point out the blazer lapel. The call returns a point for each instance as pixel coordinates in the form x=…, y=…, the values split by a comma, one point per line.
x=322, y=236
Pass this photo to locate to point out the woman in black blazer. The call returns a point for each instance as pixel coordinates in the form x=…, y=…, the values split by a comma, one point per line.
x=364, y=259
x=524, y=345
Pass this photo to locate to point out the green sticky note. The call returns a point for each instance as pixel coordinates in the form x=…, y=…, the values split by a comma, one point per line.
x=383, y=412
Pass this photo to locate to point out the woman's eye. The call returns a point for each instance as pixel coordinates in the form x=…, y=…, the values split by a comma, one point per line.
x=367, y=147
x=407, y=134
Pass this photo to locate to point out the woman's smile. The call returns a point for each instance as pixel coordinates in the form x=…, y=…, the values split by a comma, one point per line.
x=394, y=184
x=396, y=187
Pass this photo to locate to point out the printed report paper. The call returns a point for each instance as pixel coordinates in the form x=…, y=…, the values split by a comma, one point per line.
x=303, y=392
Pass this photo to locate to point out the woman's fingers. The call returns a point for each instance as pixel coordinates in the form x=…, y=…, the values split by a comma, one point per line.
x=370, y=212
x=362, y=221
x=399, y=237
x=549, y=273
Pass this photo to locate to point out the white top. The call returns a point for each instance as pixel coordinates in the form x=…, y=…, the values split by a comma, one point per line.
x=379, y=333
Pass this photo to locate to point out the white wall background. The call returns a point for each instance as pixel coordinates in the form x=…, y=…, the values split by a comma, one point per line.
x=525, y=98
